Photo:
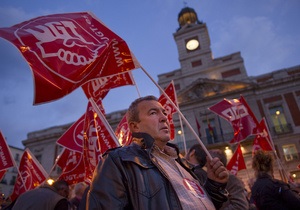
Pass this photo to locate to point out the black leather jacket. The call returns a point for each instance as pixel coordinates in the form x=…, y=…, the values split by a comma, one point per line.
x=128, y=178
x=269, y=193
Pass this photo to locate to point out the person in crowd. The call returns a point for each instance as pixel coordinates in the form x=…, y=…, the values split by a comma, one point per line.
x=46, y=197
x=82, y=205
x=268, y=192
x=237, y=198
x=148, y=174
x=196, y=160
x=79, y=191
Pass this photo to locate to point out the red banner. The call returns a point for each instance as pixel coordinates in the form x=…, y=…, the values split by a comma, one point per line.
x=239, y=114
x=31, y=174
x=98, y=88
x=262, y=139
x=73, y=137
x=72, y=165
x=66, y=50
x=237, y=161
x=123, y=133
x=97, y=139
x=6, y=160
x=170, y=91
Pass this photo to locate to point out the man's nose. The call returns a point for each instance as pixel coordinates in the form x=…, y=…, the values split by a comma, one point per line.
x=163, y=117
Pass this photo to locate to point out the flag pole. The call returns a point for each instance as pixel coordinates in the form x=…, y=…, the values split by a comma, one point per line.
x=180, y=121
x=103, y=119
x=282, y=172
x=55, y=163
x=179, y=112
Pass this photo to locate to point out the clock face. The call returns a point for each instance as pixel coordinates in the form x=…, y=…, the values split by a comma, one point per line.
x=192, y=44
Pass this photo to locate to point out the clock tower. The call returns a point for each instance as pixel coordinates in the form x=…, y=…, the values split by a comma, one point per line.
x=192, y=40
x=196, y=57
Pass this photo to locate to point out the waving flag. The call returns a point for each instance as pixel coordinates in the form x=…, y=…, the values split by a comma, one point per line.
x=123, y=133
x=262, y=139
x=66, y=50
x=72, y=165
x=98, y=137
x=31, y=174
x=237, y=161
x=98, y=88
x=6, y=160
x=239, y=114
x=73, y=137
x=170, y=91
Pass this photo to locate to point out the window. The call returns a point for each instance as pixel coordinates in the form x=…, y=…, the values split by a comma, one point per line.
x=290, y=152
x=39, y=158
x=210, y=130
x=279, y=120
x=13, y=180
x=17, y=157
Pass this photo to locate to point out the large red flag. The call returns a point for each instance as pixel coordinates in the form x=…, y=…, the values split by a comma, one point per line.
x=72, y=165
x=98, y=88
x=262, y=139
x=31, y=174
x=123, y=133
x=98, y=137
x=237, y=161
x=170, y=91
x=66, y=50
x=6, y=160
x=239, y=114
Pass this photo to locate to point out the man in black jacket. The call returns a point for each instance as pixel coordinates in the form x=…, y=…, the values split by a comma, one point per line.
x=148, y=174
x=46, y=197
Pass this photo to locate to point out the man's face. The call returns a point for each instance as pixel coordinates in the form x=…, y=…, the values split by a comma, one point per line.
x=153, y=120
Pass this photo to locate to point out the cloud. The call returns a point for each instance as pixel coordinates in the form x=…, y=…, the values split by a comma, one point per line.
x=263, y=47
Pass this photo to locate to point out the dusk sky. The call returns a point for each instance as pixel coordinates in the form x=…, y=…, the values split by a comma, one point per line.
x=267, y=33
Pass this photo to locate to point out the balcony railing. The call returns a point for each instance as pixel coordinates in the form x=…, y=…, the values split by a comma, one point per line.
x=282, y=129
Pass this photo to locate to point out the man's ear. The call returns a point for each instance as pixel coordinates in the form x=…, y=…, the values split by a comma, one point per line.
x=134, y=127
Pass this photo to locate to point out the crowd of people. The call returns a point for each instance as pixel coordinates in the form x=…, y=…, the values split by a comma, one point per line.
x=150, y=173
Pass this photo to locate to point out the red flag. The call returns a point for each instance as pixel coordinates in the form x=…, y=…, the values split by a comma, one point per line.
x=237, y=161
x=97, y=139
x=6, y=160
x=72, y=165
x=31, y=174
x=198, y=127
x=66, y=50
x=262, y=139
x=170, y=91
x=123, y=133
x=98, y=88
x=239, y=114
x=73, y=137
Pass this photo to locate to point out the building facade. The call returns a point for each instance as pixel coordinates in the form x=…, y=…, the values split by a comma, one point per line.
x=202, y=81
